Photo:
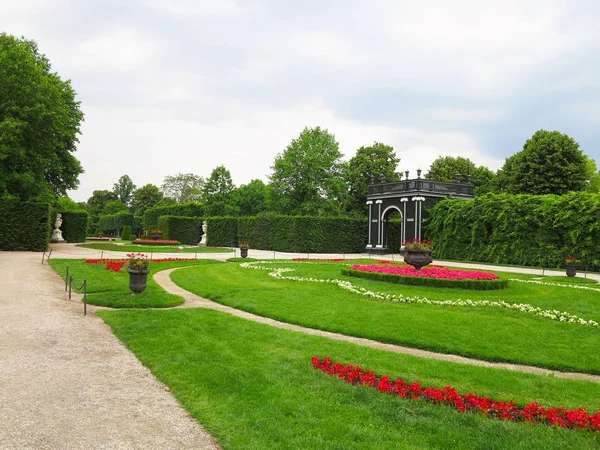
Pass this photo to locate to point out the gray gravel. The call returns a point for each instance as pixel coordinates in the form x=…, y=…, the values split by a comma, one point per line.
x=67, y=382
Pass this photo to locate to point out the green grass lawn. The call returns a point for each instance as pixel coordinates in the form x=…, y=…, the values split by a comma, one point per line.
x=483, y=333
x=127, y=246
x=253, y=387
x=108, y=288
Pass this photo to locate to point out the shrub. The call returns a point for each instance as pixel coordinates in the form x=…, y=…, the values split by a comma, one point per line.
x=25, y=226
x=152, y=215
x=187, y=230
x=126, y=233
x=74, y=225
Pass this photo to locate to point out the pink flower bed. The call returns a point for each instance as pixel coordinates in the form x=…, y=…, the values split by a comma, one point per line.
x=427, y=272
x=566, y=418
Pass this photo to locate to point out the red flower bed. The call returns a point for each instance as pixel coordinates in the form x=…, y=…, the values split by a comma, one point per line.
x=567, y=418
x=427, y=272
x=156, y=241
x=318, y=259
x=116, y=264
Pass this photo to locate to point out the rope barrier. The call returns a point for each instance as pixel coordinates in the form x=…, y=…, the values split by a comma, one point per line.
x=46, y=255
x=69, y=282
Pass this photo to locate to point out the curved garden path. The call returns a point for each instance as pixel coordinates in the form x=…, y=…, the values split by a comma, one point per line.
x=194, y=301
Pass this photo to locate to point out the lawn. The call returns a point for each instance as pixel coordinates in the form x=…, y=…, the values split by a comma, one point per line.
x=108, y=288
x=479, y=332
x=127, y=246
x=252, y=386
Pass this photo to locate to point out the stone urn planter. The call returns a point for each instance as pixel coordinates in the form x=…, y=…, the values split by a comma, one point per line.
x=418, y=258
x=155, y=236
x=137, y=280
x=571, y=269
x=244, y=252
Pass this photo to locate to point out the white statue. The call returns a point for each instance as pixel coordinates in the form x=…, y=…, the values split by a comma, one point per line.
x=203, y=240
x=57, y=234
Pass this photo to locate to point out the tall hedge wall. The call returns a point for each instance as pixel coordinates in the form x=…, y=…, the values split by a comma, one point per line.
x=74, y=226
x=187, y=230
x=518, y=229
x=25, y=226
x=114, y=223
x=299, y=234
x=222, y=232
x=152, y=215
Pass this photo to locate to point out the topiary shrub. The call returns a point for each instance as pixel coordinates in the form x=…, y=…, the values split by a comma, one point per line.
x=126, y=233
x=25, y=226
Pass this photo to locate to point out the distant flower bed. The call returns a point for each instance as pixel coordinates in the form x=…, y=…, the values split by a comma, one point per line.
x=319, y=259
x=427, y=272
x=156, y=241
x=115, y=265
x=578, y=419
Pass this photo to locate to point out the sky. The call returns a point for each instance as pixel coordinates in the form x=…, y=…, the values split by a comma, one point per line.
x=183, y=86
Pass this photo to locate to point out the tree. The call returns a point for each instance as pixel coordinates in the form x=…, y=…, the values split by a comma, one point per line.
x=446, y=168
x=375, y=160
x=145, y=198
x=217, y=193
x=307, y=176
x=39, y=124
x=250, y=199
x=183, y=188
x=114, y=206
x=124, y=189
x=98, y=200
x=550, y=163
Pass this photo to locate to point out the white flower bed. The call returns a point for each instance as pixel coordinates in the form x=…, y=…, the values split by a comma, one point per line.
x=559, y=316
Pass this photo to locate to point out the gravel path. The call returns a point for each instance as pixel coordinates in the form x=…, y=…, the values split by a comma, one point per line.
x=67, y=382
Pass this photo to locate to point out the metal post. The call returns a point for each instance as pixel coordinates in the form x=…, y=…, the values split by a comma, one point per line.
x=84, y=297
x=43, y=254
x=67, y=279
x=102, y=255
x=70, y=286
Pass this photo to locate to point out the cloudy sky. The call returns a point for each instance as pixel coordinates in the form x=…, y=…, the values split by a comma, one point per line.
x=182, y=86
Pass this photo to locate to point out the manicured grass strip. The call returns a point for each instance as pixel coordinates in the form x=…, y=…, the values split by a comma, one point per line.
x=577, y=419
x=109, y=288
x=478, y=285
x=115, y=247
x=483, y=333
x=252, y=387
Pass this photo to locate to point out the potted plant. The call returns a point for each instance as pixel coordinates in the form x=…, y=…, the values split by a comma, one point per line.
x=155, y=233
x=572, y=263
x=137, y=266
x=418, y=252
x=244, y=249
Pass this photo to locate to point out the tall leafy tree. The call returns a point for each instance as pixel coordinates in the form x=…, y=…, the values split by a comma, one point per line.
x=124, y=189
x=250, y=199
x=114, y=206
x=375, y=160
x=39, y=124
x=550, y=163
x=446, y=168
x=183, y=187
x=98, y=200
x=145, y=198
x=307, y=177
x=217, y=193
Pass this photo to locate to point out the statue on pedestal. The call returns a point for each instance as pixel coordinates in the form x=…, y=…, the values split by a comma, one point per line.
x=57, y=234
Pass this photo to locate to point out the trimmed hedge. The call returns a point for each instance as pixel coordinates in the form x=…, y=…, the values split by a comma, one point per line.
x=187, y=230
x=25, y=226
x=518, y=229
x=152, y=215
x=476, y=285
x=222, y=232
x=126, y=234
x=74, y=225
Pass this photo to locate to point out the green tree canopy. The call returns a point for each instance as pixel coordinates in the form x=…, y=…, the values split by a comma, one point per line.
x=98, y=200
x=217, y=193
x=307, y=177
x=124, y=189
x=446, y=168
x=375, y=160
x=550, y=163
x=183, y=187
x=250, y=199
x=114, y=206
x=145, y=198
x=39, y=124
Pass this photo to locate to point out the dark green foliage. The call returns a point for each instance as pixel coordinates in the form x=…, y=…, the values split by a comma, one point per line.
x=518, y=229
x=98, y=231
x=222, y=232
x=74, y=225
x=111, y=223
x=126, y=234
x=446, y=168
x=187, y=230
x=24, y=226
x=476, y=285
x=182, y=210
